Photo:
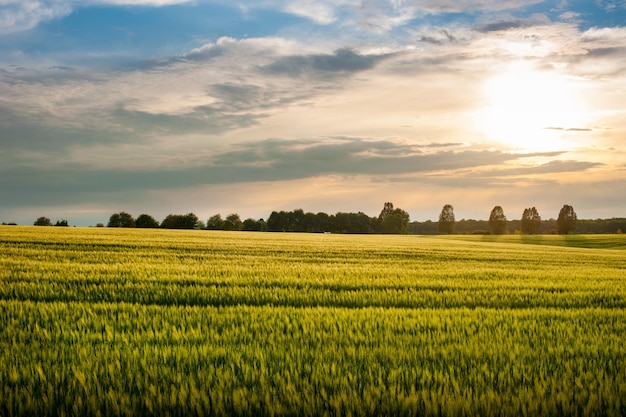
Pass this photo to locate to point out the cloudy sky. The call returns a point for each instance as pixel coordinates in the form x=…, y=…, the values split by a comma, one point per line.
x=216, y=106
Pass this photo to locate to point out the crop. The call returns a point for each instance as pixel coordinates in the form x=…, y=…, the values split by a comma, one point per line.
x=153, y=322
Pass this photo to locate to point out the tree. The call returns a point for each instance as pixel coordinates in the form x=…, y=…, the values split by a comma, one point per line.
x=215, y=222
x=396, y=223
x=391, y=220
x=233, y=222
x=386, y=211
x=349, y=223
x=497, y=221
x=446, y=220
x=146, y=221
x=43, y=221
x=189, y=221
x=322, y=222
x=251, y=225
x=121, y=219
x=531, y=221
x=566, y=222
x=114, y=220
x=180, y=221
x=277, y=222
x=62, y=222
x=169, y=222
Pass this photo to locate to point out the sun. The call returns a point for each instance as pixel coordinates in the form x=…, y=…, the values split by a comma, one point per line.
x=528, y=109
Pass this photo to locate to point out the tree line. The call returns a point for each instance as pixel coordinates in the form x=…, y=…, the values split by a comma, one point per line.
x=530, y=223
x=391, y=220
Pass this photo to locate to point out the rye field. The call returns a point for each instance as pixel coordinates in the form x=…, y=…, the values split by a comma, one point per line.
x=112, y=322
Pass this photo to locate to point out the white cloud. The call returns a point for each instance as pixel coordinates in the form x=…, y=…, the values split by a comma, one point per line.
x=317, y=11
x=569, y=15
x=605, y=37
x=379, y=16
x=150, y=3
x=20, y=15
x=253, y=48
x=383, y=16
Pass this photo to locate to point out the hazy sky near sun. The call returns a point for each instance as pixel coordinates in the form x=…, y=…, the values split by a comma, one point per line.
x=214, y=106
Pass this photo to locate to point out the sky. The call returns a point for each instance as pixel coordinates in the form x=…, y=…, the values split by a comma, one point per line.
x=215, y=106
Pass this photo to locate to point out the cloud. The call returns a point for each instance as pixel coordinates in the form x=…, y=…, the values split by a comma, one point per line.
x=439, y=37
x=208, y=119
x=611, y=6
x=267, y=160
x=343, y=61
x=147, y=3
x=569, y=16
x=385, y=92
x=505, y=25
x=32, y=131
x=602, y=49
x=377, y=17
x=20, y=15
x=383, y=17
x=604, y=37
x=570, y=129
x=451, y=6
x=318, y=11
x=252, y=48
x=196, y=93
x=552, y=167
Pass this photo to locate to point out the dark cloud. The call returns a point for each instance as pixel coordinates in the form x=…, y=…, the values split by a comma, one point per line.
x=62, y=68
x=552, y=167
x=268, y=160
x=598, y=62
x=430, y=39
x=21, y=130
x=48, y=129
x=207, y=119
x=504, y=26
x=570, y=129
x=242, y=97
x=445, y=37
x=351, y=156
x=50, y=76
x=443, y=145
x=607, y=52
x=42, y=132
x=498, y=177
x=343, y=61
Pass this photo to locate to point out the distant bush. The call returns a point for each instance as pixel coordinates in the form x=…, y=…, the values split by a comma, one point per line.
x=43, y=221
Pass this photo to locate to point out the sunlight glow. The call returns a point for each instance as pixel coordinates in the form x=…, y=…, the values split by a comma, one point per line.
x=532, y=110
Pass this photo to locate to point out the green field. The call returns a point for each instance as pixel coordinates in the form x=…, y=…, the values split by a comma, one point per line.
x=156, y=322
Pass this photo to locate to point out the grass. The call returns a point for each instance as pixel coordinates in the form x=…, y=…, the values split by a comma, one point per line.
x=595, y=241
x=152, y=322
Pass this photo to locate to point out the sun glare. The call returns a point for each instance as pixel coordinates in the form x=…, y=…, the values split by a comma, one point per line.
x=528, y=109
